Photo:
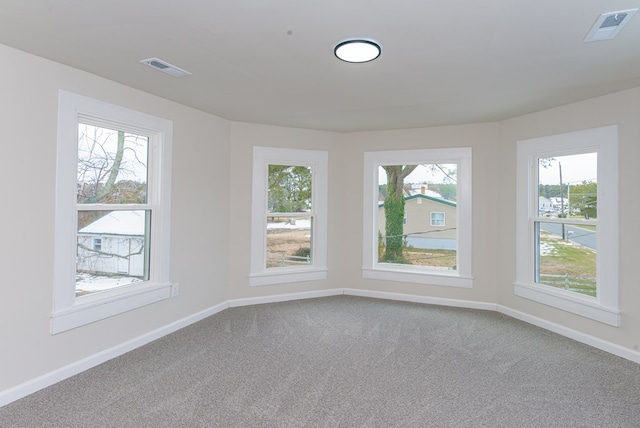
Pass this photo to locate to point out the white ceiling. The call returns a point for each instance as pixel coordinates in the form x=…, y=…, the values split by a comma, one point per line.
x=271, y=61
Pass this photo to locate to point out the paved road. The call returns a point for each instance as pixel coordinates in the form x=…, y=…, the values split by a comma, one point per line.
x=575, y=234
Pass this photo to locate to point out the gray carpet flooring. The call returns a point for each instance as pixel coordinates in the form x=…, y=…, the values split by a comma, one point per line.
x=346, y=362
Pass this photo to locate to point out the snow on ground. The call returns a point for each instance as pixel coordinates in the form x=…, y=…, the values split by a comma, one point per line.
x=297, y=224
x=547, y=249
x=92, y=283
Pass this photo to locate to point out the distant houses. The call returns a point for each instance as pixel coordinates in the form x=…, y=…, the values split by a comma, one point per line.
x=552, y=204
x=113, y=245
x=430, y=221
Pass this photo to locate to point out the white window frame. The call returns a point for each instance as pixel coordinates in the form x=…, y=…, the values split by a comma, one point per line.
x=318, y=161
x=70, y=311
x=372, y=269
x=604, y=141
x=444, y=218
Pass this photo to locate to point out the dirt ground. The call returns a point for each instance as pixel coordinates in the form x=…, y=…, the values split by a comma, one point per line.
x=433, y=258
x=285, y=241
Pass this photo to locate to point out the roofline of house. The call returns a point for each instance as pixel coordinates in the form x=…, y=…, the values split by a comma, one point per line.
x=107, y=234
x=430, y=198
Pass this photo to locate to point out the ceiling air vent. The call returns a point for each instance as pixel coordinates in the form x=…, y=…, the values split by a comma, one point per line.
x=608, y=25
x=165, y=67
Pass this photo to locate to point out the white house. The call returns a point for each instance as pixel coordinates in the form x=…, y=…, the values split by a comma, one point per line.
x=113, y=245
x=544, y=204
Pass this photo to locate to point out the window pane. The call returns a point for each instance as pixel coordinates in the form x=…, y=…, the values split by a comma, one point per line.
x=437, y=219
x=567, y=186
x=112, y=166
x=417, y=215
x=569, y=262
x=112, y=249
x=289, y=241
x=289, y=189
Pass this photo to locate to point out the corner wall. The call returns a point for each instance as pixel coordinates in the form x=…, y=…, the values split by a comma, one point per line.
x=483, y=139
x=244, y=136
x=622, y=109
x=200, y=217
x=212, y=202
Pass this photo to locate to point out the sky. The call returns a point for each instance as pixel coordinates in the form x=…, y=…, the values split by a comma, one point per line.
x=96, y=145
x=575, y=169
x=420, y=175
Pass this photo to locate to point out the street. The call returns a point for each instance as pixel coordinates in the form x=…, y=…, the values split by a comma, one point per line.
x=575, y=234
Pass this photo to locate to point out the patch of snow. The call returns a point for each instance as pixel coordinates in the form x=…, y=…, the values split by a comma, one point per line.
x=297, y=224
x=93, y=283
x=547, y=249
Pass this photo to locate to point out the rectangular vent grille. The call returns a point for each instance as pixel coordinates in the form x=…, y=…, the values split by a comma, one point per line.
x=608, y=25
x=165, y=67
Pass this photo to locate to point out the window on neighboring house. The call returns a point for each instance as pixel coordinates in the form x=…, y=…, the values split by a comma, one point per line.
x=408, y=194
x=112, y=203
x=289, y=215
x=567, y=222
x=437, y=219
x=97, y=244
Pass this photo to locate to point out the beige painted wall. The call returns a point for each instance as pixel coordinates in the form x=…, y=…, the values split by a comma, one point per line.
x=483, y=139
x=211, y=211
x=199, y=263
x=623, y=109
x=243, y=137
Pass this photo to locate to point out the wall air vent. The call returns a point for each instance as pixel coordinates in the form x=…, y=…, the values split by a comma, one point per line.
x=165, y=67
x=608, y=25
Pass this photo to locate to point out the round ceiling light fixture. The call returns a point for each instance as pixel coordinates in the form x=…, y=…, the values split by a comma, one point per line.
x=357, y=50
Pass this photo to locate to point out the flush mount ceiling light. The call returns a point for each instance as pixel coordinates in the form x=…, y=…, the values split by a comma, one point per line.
x=357, y=50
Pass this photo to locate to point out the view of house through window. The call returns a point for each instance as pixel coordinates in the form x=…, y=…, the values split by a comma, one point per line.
x=417, y=215
x=566, y=221
x=289, y=216
x=113, y=232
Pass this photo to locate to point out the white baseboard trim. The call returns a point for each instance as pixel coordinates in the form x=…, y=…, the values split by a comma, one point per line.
x=29, y=387
x=48, y=379
x=469, y=304
x=612, y=348
x=276, y=298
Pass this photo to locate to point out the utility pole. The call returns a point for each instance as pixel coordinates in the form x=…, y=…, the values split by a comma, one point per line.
x=562, y=214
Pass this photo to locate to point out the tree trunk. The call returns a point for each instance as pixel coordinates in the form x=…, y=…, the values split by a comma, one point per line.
x=394, y=211
x=113, y=174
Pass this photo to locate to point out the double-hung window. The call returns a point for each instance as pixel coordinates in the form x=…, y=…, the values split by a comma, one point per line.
x=289, y=215
x=408, y=195
x=567, y=226
x=437, y=219
x=112, y=211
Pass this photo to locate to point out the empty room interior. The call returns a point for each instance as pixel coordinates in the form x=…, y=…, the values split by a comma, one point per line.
x=229, y=163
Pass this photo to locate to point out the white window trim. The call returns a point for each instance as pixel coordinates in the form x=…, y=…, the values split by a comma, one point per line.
x=371, y=268
x=318, y=161
x=68, y=311
x=604, y=141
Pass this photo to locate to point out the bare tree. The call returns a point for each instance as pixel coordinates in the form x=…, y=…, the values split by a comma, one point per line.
x=111, y=170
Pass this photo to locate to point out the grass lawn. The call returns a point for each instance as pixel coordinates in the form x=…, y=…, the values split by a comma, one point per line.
x=567, y=265
x=446, y=259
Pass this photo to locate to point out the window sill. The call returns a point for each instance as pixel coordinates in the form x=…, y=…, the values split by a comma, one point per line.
x=576, y=304
x=426, y=277
x=96, y=310
x=287, y=276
